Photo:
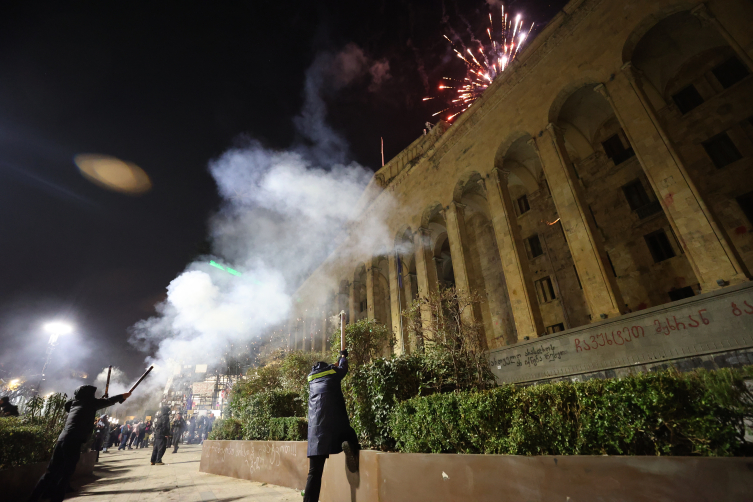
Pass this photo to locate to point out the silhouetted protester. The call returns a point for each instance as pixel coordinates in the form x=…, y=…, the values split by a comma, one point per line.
x=161, y=430
x=329, y=427
x=77, y=430
x=6, y=408
x=176, y=430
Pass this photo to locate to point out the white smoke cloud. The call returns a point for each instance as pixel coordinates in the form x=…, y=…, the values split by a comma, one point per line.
x=282, y=215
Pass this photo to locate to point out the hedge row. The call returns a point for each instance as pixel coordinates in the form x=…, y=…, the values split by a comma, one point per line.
x=255, y=412
x=288, y=429
x=667, y=413
x=23, y=443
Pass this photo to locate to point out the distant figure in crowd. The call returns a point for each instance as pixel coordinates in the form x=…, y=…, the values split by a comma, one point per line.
x=147, y=433
x=141, y=434
x=134, y=434
x=329, y=427
x=99, y=434
x=6, y=408
x=106, y=432
x=178, y=426
x=161, y=435
x=200, y=425
x=77, y=430
x=125, y=432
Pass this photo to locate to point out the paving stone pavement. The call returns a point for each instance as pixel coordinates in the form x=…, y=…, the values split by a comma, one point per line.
x=128, y=475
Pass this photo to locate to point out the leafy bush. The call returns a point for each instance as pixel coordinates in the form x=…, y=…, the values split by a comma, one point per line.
x=254, y=412
x=288, y=429
x=31, y=438
x=365, y=339
x=24, y=443
x=227, y=428
x=666, y=413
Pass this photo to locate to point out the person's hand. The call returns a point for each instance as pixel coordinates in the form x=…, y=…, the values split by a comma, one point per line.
x=126, y=395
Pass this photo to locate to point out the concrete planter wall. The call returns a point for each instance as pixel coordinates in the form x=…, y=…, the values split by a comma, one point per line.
x=18, y=482
x=395, y=477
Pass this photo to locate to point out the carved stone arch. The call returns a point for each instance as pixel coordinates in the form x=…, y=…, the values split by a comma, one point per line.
x=586, y=79
x=401, y=233
x=648, y=22
x=469, y=181
x=504, y=147
x=432, y=210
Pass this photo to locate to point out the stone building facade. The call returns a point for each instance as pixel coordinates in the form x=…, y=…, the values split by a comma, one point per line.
x=608, y=171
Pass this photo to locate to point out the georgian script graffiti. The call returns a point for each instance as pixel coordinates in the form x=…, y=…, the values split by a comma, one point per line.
x=257, y=456
x=542, y=353
x=533, y=356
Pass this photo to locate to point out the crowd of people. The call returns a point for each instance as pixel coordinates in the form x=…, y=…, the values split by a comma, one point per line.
x=139, y=433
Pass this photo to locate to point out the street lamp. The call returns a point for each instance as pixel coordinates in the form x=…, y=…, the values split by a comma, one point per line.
x=55, y=329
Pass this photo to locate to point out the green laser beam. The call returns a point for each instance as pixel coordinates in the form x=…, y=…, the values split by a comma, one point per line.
x=231, y=271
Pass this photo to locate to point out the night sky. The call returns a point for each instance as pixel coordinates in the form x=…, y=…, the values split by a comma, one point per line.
x=170, y=86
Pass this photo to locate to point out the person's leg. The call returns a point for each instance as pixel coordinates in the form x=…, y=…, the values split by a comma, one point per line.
x=314, y=480
x=51, y=474
x=72, y=456
x=155, y=450
x=162, y=448
x=351, y=448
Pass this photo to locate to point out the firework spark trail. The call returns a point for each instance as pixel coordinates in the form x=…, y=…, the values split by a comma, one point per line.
x=482, y=70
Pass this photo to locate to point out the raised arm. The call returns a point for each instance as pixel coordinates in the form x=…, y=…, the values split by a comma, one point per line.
x=104, y=403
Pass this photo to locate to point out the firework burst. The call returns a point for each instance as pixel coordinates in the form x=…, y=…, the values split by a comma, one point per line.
x=484, y=61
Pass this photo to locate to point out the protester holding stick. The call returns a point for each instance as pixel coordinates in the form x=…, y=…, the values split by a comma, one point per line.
x=78, y=428
x=329, y=427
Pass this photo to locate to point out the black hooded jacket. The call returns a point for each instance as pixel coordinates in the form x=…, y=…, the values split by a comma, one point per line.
x=81, y=411
x=328, y=417
x=162, y=426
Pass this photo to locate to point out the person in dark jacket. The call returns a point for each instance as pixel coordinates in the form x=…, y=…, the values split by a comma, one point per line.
x=329, y=427
x=176, y=430
x=6, y=408
x=125, y=433
x=77, y=430
x=161, y=430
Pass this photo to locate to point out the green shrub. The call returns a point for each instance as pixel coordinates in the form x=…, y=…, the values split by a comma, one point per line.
x=255, y=411
x=23, y=443
x=667, y=413
x=226, y=428
x=365, y=339
x=31, y=438
x=288, y=429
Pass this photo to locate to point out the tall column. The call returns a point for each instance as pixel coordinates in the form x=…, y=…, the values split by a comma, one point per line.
x=707, y=249
x=590, y=258
x=325, y=334
x=458, y=237
x=370, y=304
x=352, y=302
x=395, y=307
x=520, y=288
x=426, y=272
x=703, y=13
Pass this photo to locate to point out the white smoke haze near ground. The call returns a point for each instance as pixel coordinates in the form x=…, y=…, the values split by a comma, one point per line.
x=282, y=214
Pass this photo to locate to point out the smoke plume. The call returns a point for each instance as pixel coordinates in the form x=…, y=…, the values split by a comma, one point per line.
x=283, y=213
